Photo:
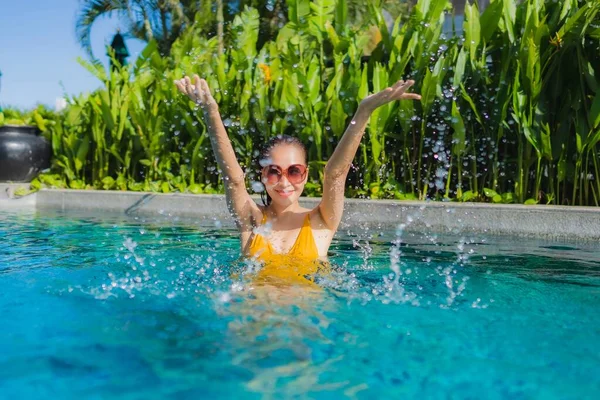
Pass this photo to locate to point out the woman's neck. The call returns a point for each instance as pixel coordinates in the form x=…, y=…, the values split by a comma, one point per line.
x=279, y=211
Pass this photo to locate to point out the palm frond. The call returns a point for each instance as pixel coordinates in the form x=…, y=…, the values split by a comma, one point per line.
x=90, y=12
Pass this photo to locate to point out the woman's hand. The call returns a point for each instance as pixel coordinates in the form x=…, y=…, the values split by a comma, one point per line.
x=198, y=91
x=396, y=92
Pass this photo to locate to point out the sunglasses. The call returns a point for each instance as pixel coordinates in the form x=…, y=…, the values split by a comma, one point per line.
x=294, y=173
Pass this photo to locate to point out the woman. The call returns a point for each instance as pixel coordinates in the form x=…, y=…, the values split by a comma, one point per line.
x=294, y=232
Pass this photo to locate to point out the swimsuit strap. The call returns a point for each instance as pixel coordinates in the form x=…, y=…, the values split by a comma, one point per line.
x=306, y=220
x=305, y=240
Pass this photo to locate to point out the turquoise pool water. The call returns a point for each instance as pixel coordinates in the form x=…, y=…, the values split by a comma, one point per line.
x=105, y=307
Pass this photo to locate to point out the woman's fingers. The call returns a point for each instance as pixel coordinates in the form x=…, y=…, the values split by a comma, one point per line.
x=398, y=84
x=188, y=86
x=400, y=91
x=397, y=88
x=196, y=89
x=394, y=92
x=183, y=86
x=206, y=91
x=204, y=88
x=411, y=96
x=403, y=86
x=180, y=86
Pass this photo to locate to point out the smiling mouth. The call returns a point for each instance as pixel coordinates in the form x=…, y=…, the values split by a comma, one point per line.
x=285, y=193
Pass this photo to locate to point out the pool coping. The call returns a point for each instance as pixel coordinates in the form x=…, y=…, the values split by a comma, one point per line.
x=550, y=222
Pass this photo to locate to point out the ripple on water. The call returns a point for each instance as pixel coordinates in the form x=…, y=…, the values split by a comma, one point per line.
x=94, y=306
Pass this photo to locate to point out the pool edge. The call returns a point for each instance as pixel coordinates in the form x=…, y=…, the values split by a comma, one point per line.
x=557, y=222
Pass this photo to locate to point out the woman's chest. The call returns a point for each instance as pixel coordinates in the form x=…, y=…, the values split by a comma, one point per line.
x=283, y=241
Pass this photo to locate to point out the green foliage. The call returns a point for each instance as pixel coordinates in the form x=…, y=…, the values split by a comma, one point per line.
x=162, y=21
x=510, y=109
x=40, y=117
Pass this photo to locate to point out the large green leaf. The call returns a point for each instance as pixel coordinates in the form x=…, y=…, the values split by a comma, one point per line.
x=337, y=118
x=314, y=81
x=459, y=133
x=594, y=114
x=245, y=28
x=545, y=141
x=465, y=95
x=459, y=68
x=472, y=30
x=298, y=11
x=509, y=17
x=363, y=90
x=322, y=13
x=489, y=19
x=431, y=87
x=380, y=116
x=341, y=15
x=95, y=68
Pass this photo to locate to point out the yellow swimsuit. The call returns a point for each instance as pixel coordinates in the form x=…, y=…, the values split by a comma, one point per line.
x=301, y=260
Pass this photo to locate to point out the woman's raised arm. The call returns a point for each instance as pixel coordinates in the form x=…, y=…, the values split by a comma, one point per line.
x=336, y=170
x=240, y=204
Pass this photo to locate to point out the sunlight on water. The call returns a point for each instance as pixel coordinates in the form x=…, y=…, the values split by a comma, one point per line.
x=400, y=313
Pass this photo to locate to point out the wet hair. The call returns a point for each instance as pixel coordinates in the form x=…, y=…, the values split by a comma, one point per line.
x=268, y=147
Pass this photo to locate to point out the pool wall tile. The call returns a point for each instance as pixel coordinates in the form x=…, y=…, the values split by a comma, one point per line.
x=444, y=217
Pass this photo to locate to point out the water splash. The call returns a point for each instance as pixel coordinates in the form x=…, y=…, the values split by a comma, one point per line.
x=366, y=250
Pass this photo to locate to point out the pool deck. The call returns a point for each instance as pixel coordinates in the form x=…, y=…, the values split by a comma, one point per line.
x=7, y=190
x=551, y=222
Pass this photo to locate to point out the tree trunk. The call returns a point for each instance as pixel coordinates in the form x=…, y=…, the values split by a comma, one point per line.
x=220, y=26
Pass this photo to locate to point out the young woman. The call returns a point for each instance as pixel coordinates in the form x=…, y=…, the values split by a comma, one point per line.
x=294, y=231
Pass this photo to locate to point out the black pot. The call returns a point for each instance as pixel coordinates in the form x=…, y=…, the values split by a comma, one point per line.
x=23, y=153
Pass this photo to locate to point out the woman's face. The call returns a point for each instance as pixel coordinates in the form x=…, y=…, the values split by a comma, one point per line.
x=290, y=160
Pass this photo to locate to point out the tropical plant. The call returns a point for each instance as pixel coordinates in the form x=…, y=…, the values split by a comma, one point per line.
x=162, y=20
x=510, y=110
x=40, y=117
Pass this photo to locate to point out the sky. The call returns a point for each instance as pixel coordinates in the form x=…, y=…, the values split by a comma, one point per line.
x=39, y=50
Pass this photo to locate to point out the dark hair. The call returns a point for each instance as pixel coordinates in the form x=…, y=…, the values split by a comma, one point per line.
x=266, y=150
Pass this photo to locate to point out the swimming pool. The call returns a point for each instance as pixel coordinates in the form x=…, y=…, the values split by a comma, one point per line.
x=101, y=307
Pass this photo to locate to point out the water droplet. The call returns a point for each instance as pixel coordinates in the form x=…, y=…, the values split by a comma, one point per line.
x=257, y=187
x=265, y=161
